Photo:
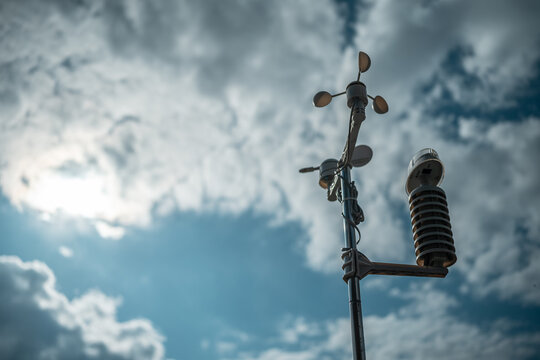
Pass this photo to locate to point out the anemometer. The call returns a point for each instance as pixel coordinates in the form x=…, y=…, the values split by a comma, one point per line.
x=430, y=220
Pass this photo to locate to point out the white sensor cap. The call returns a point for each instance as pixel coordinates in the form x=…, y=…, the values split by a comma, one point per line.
x=425, y=168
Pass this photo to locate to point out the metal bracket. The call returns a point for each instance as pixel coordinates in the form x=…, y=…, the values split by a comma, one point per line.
x=334, y=188
x=357, y=265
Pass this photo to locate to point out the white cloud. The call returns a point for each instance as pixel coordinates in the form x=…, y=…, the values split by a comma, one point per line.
x=65, y=251
x=491, y=183
x=135, y=115
x=495, y=212
x=409, y=43
x=127, y=146
x=109, y=232
x=429, y=326
x=295, y=328
x=38, y=322
x=224, y=347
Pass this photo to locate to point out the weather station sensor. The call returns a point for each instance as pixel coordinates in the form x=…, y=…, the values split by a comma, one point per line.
x=432, y=232
x=425, y=168
x=430, y=220
x=327, y=171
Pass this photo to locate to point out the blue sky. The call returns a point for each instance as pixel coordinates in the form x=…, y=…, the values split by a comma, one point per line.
x=151, y=205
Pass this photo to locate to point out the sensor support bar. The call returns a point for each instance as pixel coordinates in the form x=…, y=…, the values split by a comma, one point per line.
x=356, y=264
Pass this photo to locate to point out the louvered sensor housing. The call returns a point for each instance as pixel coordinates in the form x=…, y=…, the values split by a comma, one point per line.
x=430, y=220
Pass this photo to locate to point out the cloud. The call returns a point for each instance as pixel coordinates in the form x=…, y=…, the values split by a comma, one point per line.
x=480, y=53
x=65, y=251
x=224, y=347
x=453, y=74
x=109, y=232
x=295, y=328
x=496, y=212
x=428, y=326
x=431, y=324
x=155, y=133
x=38, y=322
x=143, y=109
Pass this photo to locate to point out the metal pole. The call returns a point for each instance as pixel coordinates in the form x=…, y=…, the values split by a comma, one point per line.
x=355, y=304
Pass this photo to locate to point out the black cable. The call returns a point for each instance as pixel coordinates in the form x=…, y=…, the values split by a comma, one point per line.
x=355, y=227
x=351, y=187
x=356, y=211
x=345, y=156
x=349, y=135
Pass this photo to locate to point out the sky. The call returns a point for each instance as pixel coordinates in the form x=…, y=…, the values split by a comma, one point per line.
x=150, y=200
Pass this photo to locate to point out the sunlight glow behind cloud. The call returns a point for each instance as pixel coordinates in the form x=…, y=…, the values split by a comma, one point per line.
x=83, y=197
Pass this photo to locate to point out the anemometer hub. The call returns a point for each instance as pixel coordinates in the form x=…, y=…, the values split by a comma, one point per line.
x=356, y=91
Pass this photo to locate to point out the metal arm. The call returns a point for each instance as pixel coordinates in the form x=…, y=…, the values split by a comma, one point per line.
x=357, y=265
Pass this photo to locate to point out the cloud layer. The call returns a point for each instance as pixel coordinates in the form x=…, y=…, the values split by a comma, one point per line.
x=147, y=108
x=426, y=328
x=39, y=322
